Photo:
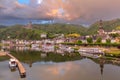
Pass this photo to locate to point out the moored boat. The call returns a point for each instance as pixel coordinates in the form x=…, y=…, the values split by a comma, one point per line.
x=91, y=52
x=12, y=64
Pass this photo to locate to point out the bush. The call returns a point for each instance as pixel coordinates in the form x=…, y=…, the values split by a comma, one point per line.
x=79, y=42
x=114, y=35
x=99, y=40
x=108, y=41
x=89, y=40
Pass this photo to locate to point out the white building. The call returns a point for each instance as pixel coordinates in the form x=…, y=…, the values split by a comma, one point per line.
x=43, y=35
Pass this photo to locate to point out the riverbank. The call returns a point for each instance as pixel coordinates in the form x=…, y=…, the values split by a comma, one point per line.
x=112, y=52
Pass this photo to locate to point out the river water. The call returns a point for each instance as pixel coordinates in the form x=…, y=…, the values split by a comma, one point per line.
x=49, y=69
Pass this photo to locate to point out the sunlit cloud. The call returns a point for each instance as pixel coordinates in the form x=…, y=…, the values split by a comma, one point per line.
x=82, y=11
x=39, y=1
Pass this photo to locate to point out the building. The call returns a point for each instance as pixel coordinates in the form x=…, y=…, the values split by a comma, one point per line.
x=29, y=25
x=101, y=32
x=43, y=35
x=48, y=46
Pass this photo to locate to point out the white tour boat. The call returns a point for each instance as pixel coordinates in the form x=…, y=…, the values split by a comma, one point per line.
x=12, y=63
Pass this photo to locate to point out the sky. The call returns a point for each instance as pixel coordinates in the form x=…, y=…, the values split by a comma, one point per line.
x=60, y=11
x=24, y=1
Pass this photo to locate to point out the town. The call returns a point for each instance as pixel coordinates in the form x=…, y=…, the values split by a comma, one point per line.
x=67, y=43
x=59, y=40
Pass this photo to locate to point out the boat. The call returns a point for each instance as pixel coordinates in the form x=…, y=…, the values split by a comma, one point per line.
x=91, y=55
x=91, y=52
x=12, y=64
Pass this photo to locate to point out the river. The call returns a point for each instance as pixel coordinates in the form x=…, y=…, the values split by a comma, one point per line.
x=60, y=68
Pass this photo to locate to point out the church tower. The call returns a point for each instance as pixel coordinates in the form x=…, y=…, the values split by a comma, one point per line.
x=101, y=30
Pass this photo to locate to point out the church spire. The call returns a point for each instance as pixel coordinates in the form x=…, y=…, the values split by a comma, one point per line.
x=100, y=24
x=101, y=30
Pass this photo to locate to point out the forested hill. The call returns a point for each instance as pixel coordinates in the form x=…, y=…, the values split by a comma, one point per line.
x=20, y=32
x=61, y=28
x=107, y=26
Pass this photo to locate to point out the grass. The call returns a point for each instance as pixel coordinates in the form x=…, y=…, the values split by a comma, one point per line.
x=1, y=44
x=113, y=51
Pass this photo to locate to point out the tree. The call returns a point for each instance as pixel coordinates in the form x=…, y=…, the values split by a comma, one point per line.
x=89, y=40
x=99, y=40
x=108, y=41
x=79, y=42
x=114, y=35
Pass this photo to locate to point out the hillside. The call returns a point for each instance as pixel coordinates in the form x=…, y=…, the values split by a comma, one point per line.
x=20, y=32
x=107, y=25
x=61, y=28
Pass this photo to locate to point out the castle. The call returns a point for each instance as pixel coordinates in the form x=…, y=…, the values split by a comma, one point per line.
x=29, y=25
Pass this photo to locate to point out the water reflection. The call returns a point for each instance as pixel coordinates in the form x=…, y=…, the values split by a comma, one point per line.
x=31, y=57
x=52, y=48
x=101, y=62
x=51, y=66
x=84, y=69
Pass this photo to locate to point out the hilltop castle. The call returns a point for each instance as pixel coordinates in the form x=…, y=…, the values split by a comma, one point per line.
x=29, y=25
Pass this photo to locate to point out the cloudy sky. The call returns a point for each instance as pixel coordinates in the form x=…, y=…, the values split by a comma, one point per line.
x=67, y=11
